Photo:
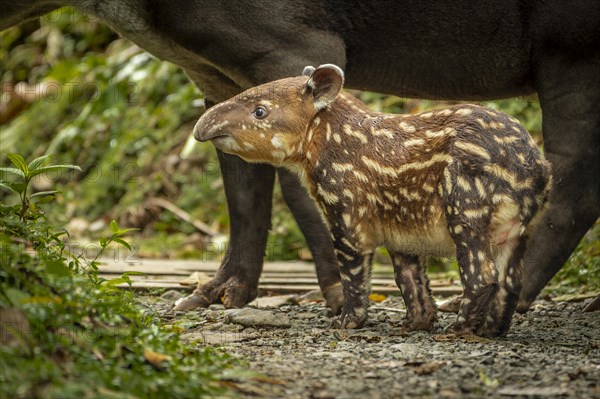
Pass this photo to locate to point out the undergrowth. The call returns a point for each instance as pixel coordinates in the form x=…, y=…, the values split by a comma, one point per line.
x=66, y=331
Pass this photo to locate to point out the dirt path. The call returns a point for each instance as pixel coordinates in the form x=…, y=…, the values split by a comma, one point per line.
x=552, y=351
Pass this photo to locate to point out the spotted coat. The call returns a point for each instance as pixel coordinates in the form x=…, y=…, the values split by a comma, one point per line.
x=462, y=181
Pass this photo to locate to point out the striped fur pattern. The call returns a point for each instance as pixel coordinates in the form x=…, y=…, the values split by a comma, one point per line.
x=463, y=181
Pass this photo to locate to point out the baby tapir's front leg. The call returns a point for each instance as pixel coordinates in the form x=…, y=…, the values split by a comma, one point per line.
x=355, y=272
x=421, y=313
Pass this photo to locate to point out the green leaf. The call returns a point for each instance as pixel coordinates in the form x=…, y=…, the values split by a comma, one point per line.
x=17, y=187
x=125, y=231
x=36, y=163
x=7, y=186
x=122, y=242
x=52, y=168
x=58, y=268
x=20, y=163
x=13, y=171
x=16, y=296
x=116, y=281
x=114, y=227
x=132, y=273
x=43, y=193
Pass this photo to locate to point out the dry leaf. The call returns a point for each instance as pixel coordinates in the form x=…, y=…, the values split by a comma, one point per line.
x=377, y=297
x=274, y=301
x=156, y=359
x=429, y=368
x=471, y=338
x=444, y=337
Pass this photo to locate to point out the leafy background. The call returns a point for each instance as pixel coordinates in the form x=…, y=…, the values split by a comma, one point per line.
x=71, y=87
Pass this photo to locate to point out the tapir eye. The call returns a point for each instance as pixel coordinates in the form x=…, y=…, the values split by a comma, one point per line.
x=259, y=112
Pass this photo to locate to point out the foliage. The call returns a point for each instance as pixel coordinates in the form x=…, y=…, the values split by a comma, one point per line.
x=64, y=326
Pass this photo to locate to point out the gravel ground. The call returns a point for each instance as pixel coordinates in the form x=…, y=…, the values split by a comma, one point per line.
x=552, y=351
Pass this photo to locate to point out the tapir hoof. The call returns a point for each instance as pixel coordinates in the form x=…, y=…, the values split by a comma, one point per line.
x=189, y=302
x=230, y=292
x=334, y=298
x=348, y=320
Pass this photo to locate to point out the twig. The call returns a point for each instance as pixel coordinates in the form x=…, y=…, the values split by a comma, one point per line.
x=183, y=215
x=389, y=309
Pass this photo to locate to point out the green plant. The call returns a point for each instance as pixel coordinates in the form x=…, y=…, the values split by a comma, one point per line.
x=25, y=172
x=72, y=332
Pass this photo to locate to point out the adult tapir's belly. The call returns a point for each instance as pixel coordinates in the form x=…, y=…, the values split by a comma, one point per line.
x=452, y=50
x=436, y=49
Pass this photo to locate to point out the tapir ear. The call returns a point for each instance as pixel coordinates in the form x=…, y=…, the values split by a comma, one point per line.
x=308, y=70
x=325, y=83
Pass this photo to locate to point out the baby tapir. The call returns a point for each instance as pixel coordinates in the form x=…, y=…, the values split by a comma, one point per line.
x=462, y=181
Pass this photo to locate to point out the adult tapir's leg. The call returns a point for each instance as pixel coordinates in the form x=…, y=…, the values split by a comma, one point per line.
x=248, y=188
x=317, y=236
x=569, y=93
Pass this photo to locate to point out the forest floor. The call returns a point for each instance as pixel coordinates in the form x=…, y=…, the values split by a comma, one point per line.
x=551, y=351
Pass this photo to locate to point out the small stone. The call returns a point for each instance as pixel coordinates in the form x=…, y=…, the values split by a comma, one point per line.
x=306, y=315
x=547, y=391
x=308, y=339
x=171, y=295
x=406, y=350
x=274, y=301
x=214, y=337
x=232, y=328
x=213, y=315
x=255, y=317
x=216, y=306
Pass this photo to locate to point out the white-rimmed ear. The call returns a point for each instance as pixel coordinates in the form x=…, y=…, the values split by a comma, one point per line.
x=325, y=83
x=308, y=70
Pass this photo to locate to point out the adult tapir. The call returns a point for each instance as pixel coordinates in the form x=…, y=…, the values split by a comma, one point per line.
x=461, y=50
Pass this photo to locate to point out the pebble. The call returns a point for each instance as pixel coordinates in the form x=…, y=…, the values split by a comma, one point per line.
x=171, y=295
x=256, y=317
x=306, y=315
x=407, y=350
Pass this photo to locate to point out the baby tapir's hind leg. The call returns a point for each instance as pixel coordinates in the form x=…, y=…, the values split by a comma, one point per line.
x=510, y=267
x=478, y=275
x=413, y=283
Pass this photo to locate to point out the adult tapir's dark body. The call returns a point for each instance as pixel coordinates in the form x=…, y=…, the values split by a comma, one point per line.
x=464, y=49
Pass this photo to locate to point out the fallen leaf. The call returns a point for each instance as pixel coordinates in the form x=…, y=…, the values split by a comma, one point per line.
x=487, y=380
x=268, y=380
x=471, y=338
x=367, y=337
x=377, y=297
x=311, y=296
x=341, y=335
x=573, y=297
x=444, y=337
x=429, y=368
x=451, y=305
x=156, y=359
x=274, y=301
